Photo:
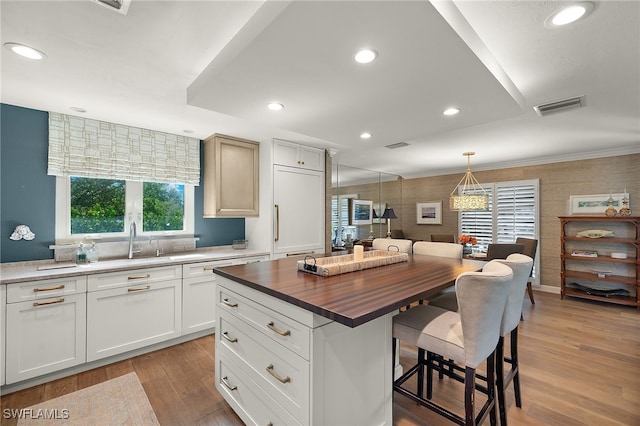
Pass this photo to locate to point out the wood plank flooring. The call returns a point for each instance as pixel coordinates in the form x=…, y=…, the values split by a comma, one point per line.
x=580, y=365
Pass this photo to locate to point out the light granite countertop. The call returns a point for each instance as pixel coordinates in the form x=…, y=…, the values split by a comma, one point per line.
x=16, y=272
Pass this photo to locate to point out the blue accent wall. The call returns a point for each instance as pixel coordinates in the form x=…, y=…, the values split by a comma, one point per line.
x=28, y=193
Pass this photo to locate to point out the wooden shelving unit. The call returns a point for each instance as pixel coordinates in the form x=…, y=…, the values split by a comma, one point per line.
x=603, y=278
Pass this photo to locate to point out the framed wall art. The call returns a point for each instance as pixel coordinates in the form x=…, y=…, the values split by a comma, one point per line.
x=593, y=204
x=429, y=213
x=360, y=212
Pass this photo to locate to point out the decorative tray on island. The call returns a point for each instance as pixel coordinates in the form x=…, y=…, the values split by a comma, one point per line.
x=335, y=265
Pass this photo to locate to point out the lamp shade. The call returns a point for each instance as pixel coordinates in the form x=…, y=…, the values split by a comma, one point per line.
x=389, y=214
x=469, y=202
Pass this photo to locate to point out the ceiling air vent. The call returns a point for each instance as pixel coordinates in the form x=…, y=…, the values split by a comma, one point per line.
x=397, y=145
x=559, y=106
x=120, y=6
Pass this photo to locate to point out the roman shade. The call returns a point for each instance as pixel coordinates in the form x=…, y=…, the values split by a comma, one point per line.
x=98, y=149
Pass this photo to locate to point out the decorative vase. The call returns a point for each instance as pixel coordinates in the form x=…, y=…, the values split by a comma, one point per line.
x=467, y=249
x=625, y=210
x=610, y=211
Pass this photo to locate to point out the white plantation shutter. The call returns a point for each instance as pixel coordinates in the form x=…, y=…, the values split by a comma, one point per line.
x=513, y=212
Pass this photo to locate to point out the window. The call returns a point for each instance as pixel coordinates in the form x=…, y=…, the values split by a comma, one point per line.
x=100, y=208
x=513, y=212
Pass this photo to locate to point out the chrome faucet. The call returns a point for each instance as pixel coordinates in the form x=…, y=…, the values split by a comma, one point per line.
x=132, y=235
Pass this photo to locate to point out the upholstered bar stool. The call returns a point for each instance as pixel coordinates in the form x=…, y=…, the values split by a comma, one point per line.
x=468, y=336
x=521, y=266
x=403, y=246
x=440, y=249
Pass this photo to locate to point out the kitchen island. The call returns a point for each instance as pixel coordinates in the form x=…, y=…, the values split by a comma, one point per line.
x=298, y=348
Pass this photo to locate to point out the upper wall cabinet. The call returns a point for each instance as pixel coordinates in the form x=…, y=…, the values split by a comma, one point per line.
x=294, y=155
x=231, y=177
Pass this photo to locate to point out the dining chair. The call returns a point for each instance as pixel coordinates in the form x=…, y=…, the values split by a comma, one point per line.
x=530, y=248
x=392, y=244
x=521, y=266
x=468, y=336
x=502, y=250
x=443, y=238
x=438, y=249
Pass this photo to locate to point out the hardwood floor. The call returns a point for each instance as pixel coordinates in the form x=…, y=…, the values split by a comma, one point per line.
x=579, y=361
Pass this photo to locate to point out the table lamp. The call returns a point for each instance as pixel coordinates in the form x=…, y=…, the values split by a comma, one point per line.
x=388, y=214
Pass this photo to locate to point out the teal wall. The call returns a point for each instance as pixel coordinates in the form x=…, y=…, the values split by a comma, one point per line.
x=28, y=193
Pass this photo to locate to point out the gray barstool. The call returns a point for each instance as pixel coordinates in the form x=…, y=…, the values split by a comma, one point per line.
x=468, y=336
x=521, y=266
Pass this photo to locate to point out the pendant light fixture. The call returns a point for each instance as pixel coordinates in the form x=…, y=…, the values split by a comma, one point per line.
x=471, y=195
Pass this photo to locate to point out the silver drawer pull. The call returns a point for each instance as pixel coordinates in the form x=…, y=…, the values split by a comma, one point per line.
x=272, y=326
x=208, y=268
x=229, y=339
x=226, y=383
x=139, y=277
x=58, y=287
x=132, y=289
x=48, y=303
x=277, y=376
x=232, y=305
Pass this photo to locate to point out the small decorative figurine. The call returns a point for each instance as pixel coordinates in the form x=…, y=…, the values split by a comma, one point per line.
x=610, y=211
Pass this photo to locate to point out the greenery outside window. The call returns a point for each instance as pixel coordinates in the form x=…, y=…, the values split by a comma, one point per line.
x=103, y=208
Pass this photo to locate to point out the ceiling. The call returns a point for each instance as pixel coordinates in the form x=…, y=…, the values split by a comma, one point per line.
x=212, y=66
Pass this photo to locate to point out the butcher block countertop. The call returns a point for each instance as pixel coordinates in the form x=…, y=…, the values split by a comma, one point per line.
x=352, y=298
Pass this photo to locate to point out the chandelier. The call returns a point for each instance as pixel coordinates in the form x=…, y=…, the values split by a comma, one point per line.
x=471, y=195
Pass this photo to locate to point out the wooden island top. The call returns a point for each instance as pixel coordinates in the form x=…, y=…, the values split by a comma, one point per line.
x=353, y=298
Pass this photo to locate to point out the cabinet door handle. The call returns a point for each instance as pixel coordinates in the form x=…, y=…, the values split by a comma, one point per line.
x=58, y=287
x=48, y=303
x=300, y=253
x=231, y=305
x=277, y=376
x=277, y=223
x=226, y=383
x=272, y=326
x=208, y=268
x=229, y=339
x=146, y=287
x=139, y=277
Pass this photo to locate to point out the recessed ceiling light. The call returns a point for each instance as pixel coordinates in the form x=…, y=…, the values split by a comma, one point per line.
x=365, y=56
x=78, y=109
x=275, y=106
x=365, y=135
x=568, y=14
x=451, y=111
x=25, y=51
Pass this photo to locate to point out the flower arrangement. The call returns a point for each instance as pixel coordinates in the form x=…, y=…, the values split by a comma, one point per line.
x=468, y=239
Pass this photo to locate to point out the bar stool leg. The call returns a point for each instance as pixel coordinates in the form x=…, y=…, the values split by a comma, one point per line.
x=515, y=368
x=500, y=381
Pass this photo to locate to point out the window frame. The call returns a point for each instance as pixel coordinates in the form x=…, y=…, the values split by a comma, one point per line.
x=492, y=188
x=133, y=211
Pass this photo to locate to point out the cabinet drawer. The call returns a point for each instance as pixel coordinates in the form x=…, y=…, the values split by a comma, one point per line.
x=286, y=331
x=284, y=375
x=133, y=277
x=203, y=269
x=41, y=289
x=251, y=402
x=127, y=318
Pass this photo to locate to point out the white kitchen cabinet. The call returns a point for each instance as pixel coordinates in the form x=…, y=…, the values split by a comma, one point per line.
x=231, y=177
x=299, y=204
x=45, y=327
x=199, y=292
x=277, y=363
x=132, y=309
x=299, y=156
x=3, y=301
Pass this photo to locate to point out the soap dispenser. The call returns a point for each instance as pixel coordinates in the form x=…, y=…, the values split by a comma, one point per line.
x=81, y=255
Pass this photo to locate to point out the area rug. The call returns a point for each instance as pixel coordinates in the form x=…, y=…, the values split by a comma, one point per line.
x=119, y=401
